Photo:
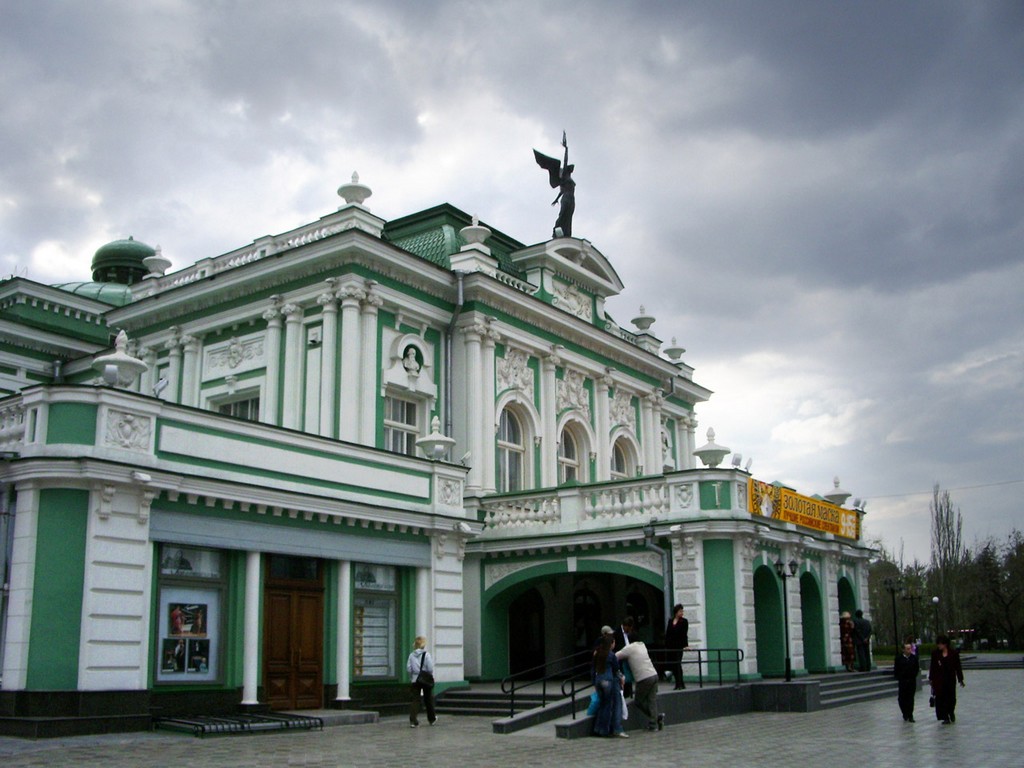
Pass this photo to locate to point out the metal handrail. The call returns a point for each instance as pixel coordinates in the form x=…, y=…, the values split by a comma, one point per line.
x=575, y=676
x=516, y=682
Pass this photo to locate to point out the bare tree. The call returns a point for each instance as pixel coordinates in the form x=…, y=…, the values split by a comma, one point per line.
x=948, y=557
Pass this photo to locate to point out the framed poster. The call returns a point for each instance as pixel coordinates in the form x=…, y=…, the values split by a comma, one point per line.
x=188, y=637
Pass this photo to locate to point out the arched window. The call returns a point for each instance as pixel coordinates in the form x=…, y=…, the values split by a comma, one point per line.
x=511, y=453
x=623, y=465
x=568, y=459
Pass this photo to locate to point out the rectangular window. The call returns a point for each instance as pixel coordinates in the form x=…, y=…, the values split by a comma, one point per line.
x=248, y=409
x=401, y=427
x=375, y=610
x=190, y=618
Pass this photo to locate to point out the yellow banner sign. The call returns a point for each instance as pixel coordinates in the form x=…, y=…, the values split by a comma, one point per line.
x=768, y=500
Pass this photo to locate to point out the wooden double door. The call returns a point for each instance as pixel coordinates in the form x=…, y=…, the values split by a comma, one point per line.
x=293, y=621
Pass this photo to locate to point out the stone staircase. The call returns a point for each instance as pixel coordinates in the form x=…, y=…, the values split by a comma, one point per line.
x=487, y=701
x=844, y=688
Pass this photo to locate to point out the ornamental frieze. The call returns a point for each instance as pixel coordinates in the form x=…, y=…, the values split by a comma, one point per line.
x=234, y=356
x=622, y=411
x=129, y=431
x=514, y=372
x=574, y=301
x=572, y=394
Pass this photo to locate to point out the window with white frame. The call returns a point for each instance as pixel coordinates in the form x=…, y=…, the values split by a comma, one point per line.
x=568, y=459
x=401, y=425
x=247, y=408
x=511, y=453
x=622, y=462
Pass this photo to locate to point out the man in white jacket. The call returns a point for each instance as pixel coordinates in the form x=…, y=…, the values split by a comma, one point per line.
x=645, y=695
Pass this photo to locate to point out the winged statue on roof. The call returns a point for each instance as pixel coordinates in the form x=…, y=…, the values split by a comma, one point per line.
x=560, y=177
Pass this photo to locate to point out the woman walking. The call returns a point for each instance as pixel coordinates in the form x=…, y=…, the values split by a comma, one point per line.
x=421, y=675
x=945, y=672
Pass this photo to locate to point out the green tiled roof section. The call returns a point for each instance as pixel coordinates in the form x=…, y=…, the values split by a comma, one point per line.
x=433, y=235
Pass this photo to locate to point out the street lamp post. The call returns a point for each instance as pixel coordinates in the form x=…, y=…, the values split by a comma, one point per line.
x=935, y=602
x=780, y=568
x=892, y=586
x=912, y=598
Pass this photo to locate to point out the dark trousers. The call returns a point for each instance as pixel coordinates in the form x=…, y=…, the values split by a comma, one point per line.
x=907, y=691
x=863, y=657
x=427, y=692
x=945, y=704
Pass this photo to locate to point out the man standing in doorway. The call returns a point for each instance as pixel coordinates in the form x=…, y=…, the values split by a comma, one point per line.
x=862, y=639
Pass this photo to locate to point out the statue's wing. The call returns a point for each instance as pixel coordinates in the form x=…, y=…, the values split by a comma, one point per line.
x=552, y=165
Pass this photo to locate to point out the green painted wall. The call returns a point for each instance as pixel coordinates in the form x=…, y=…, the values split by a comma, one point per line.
x=57, y=596
x=720, y=599
x=708, y=498
x=71, y=423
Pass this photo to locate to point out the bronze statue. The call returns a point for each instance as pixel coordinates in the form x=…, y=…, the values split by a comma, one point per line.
x=560, y=175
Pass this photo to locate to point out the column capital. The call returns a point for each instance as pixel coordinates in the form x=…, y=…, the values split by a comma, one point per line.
x=292, y=312
x=328, y=301
x=606, y=379
x=552, y=358
x=189, y=342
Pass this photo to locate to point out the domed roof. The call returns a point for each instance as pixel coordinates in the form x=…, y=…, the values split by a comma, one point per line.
x=116, y=294
x=121, y=261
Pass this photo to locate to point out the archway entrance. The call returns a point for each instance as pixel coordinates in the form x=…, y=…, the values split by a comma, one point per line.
x=813, y=624
x=847, y=599
x=771, y=653
x=526, y=634
x=555, y=615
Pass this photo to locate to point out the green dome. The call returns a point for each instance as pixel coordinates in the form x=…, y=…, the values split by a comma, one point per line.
x=121, y=261
x=117, y=294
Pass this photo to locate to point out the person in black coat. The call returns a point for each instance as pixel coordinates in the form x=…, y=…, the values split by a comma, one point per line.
x=944, y=673
x=677, y=640
x=906, y=668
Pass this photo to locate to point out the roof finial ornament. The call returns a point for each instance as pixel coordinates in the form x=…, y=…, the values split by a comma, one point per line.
x=354, y=193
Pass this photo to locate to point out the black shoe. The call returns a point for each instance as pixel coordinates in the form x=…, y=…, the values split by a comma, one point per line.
x=911, y=719
x=661, y=721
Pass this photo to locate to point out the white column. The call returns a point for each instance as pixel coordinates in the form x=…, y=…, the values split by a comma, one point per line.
x=549, y=419
x=328, y=364
x=269, y=401
x=190, y=371
x=474, y=408
x=651, y=465
x=424, y=626
x=148, y=380
x=689, y=460
x=368, y=395
x=603, y=449
x=173, y=347
x=487, y=400
x=292, y=395
x=657, y=450
x=251, y=642
x=348, y=425
x=344, y=629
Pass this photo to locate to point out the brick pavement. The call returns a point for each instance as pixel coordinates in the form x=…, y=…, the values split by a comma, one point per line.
x=987, y=734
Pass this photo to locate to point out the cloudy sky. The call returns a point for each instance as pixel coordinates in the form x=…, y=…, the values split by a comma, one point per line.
x=822, y=202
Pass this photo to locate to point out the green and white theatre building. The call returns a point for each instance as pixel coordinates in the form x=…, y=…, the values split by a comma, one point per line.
x=253, y=481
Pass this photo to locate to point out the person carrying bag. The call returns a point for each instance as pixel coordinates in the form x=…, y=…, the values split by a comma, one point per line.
x=420, y=667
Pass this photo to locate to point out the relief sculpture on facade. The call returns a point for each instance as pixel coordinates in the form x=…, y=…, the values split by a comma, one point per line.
x=514, y=372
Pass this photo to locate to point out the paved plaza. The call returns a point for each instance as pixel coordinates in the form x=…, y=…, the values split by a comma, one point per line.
x=987, y=734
